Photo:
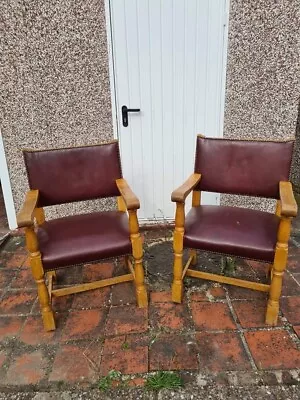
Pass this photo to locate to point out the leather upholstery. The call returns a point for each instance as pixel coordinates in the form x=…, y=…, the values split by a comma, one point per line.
x=74, y=174
x=234, y=231
x=83, y=238
x=243, y=167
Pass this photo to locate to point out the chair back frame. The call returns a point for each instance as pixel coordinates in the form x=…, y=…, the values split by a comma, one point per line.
x=243, y=167
x=74, y=174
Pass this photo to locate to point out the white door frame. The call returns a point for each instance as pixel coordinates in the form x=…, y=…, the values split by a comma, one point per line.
x=111, y=69
x=224, y=62
x=112, y=73
x=6, y=188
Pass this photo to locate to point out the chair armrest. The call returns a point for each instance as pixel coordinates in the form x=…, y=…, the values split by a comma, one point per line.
x=179, y=195
x=130, y=199
x=289, y=206
x=25, y=216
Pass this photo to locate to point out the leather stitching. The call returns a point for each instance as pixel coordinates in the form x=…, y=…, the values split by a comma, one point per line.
x=68, y=148
x=249, y=140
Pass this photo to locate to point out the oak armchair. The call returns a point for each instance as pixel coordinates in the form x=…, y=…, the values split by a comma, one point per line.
x=253, y=168
x=69, y=175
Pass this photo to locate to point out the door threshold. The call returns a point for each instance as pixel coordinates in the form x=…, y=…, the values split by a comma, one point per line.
x=147, y=224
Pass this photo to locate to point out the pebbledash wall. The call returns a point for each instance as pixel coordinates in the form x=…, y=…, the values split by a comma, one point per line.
x=55, y=80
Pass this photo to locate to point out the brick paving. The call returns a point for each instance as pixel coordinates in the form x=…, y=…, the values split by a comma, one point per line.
x=217, y=333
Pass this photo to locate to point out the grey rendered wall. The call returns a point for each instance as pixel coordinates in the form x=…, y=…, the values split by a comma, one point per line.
x=263, y=73
x=55, y=81
x=296, y=160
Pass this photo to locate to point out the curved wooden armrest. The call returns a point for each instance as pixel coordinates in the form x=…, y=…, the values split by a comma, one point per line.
x=179, y=195
x=289, y=206
x=130, y=199
x=25, y=216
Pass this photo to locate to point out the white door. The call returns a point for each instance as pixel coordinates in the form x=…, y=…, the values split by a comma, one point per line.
x=168, y=60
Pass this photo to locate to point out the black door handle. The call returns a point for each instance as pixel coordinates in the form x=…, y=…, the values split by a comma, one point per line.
x=125, y=112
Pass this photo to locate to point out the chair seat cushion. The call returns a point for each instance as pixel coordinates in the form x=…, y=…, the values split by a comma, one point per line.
x=233, y=231
x=83, y=238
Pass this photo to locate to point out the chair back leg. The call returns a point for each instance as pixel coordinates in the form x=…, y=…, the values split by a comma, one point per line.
x=137, y=252
x=196, y=201
x=177, y=286
x=39, y=215
x=280, y=260
x=193, y=254
x=38, y=274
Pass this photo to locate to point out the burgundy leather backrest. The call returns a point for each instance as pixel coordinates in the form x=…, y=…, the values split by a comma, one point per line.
x=74, y=174
x=244, y=167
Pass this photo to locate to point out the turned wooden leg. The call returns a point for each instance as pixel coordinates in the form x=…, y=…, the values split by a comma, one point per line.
x=137, y=252
x=177, y=286
x=38, y=274
x=279, y=266
x=193, y=253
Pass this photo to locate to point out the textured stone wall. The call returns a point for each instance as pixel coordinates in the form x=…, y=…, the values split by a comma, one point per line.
x=296, y=160
x=263, y=73
x=55, y=80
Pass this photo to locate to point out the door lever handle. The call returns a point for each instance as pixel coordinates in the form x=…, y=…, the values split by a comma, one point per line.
x=125, y=112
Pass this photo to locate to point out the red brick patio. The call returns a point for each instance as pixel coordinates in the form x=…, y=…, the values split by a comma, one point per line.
x=217, y=334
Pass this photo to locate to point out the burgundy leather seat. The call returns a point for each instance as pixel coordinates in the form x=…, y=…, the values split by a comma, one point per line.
x=233, y=231
x=83, y=238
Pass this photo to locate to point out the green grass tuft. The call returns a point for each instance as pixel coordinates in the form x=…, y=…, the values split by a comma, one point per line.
x=125, y=346
x=106, y=381
x=164, y=380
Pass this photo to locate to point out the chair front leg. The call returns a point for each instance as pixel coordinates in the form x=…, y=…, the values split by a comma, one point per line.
x=38, y=274
x=280, y=260
x=177, y=286
x=137, y=252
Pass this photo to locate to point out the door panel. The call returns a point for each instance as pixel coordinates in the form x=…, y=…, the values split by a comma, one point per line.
x=168, y=61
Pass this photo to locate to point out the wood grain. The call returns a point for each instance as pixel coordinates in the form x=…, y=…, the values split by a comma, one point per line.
x=26, y=215
x=130, y=199
x=137, y=252
x=179, y=195
x=83, y=287
x=288, y=203
x=227, y=279
x=280, y=260
x=177, y=286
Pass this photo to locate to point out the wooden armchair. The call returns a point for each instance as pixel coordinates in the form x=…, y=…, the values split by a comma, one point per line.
x=74, y=174
x=254, y=168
